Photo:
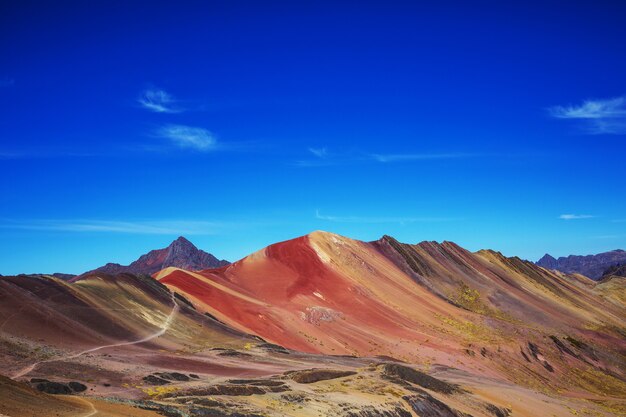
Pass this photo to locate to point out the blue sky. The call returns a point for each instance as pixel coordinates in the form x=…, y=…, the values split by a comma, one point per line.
x=238, y=124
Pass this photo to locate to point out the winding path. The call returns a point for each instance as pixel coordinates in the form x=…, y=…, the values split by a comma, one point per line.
x=91, y=412
x=166, y=325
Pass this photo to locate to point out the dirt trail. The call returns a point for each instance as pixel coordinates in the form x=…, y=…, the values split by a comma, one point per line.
x=164, y=328
x=91, y=412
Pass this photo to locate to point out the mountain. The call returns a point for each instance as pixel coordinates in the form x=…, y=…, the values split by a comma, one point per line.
x=592, y=266
x=181, y=253
x=100, y=308
x=548, y=261
x=59, y=275
x=319, y=325
x=618, y=270
x=431, y=302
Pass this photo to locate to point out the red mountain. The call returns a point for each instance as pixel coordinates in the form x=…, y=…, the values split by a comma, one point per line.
x=325, y=293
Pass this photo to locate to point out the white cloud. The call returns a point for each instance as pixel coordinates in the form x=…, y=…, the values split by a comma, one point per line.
x=325, y=158
x=606, y=116
x=575, y=216
x=189, y=137
x=158, y=101
x=374, y=220
x=592, y=109
x=319, y=152
x=416, y=156
x=307, y=163
x=156, y=227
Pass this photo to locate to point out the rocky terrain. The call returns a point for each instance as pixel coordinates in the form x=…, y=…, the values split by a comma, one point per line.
x=616, y=270
x=321, y=325
x=592, y=266
x=181, y=253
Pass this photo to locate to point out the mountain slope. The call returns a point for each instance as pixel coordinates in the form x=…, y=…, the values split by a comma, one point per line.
x=102, y=310
x=617, y=270
x=427, y=303
x=181, y=253
x=592, y=266
x=19, y=399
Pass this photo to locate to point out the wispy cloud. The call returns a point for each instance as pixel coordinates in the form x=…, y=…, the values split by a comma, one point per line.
x=375, y=220
x=176, y=136
x=417, y=156
x=322, y=158
x=319, y=152
x=325, y=158
x=189, y=137
x=155, y=227
x=309, y=163
x=159, y=101
x=575, y=216
x=607, y=116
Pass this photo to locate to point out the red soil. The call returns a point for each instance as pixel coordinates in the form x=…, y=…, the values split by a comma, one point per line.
x=273, y=292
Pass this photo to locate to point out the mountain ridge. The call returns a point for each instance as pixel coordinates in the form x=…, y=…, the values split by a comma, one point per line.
x=592, y=266
x=325, y=293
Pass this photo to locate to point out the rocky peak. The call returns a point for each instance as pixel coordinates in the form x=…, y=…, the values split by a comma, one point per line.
x=181, y=245
x=181, y=253
x=547, y=261
x=182, y=241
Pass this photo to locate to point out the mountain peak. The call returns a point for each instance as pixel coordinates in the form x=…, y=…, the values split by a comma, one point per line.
x=321, y=233
x=181, y=239
x=547, y=258
x=548, y=261
x=181, y=253
x=182, y=242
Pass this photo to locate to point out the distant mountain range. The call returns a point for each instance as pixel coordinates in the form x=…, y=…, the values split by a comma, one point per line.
x=592, y=266
x=181, y=253
x=58, y=275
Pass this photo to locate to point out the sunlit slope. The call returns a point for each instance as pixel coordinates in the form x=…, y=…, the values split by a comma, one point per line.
x=612, y=288
x=20, y=400
x=46, y=318
x=319, y=293
x=425, y=303
x=511, y=289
